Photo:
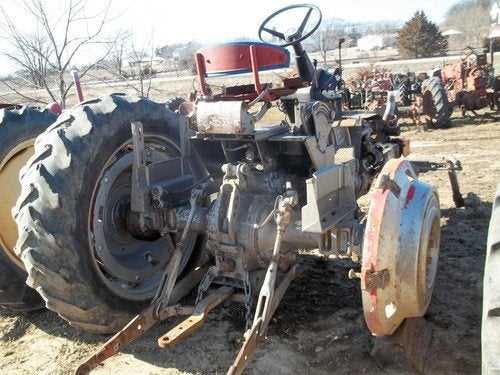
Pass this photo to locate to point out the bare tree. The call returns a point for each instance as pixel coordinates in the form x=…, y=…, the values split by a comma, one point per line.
x=472, y=19
x=117, y=60
x=325, y=39
x=47, y=56
x=141, y=61
x=132, y=63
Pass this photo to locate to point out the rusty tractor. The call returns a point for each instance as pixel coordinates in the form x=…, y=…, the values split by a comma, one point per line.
x=19, y=126
x=418, y=96
x=469, y=83
x=129, y=205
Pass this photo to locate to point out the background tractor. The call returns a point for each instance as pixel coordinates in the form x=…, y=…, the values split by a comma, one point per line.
x=416, y=95
x=470, y=83
x=19, y=126
x=127, y=205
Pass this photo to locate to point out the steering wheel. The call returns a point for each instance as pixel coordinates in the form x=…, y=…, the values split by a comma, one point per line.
x=298, y=36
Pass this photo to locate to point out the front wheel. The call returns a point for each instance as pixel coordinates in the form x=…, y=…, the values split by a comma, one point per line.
x=73, y=213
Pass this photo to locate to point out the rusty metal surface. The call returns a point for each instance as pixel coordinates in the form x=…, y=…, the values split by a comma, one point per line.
x=246, y=351
x=133, y=330
x=198, y=317
x=143, y=322
x=223, y=118
x=254, y=334
x=400, y=250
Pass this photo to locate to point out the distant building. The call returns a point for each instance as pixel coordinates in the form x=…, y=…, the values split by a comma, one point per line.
x=376, y=41
x=146, y=60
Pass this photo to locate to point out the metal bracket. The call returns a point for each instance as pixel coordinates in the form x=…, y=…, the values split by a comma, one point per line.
x=139, y=201
x=450, y=165
x=375, y=279
x=387, y=183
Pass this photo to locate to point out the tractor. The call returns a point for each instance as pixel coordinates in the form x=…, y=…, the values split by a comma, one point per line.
x=470, y=84
x=129, y=205
x=415, y=95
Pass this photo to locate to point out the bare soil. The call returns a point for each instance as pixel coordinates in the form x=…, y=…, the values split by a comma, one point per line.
x=319, y=327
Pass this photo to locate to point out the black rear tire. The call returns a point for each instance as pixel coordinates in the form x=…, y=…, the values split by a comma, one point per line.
x=57, y=208
x=18, y=129
x=436, y=104
x=404, y=93
x=174, y=103
x=490, y=332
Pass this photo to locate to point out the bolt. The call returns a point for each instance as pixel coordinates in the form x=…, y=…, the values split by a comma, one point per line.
x=150, y=259
x=353, y=274
x=106, y=180
x=250, y=155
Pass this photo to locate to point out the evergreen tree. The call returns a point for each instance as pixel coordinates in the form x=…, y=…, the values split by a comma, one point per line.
x=420, y=37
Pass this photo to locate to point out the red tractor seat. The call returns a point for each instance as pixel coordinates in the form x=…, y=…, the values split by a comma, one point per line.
x=237, y=58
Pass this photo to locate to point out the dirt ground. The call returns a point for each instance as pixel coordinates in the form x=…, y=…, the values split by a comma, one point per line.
x=319, y=327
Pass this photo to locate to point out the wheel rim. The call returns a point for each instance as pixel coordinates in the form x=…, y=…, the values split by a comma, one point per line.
x=432, y=254
x=10, y=189
x=130, y=267
x=429, y=254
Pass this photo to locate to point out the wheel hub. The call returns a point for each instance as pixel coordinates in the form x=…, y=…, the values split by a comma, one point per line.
x=9, y=173
x=400, y=250
x=129, y=261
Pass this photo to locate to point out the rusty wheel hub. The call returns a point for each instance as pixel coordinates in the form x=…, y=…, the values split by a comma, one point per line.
x=9, y=191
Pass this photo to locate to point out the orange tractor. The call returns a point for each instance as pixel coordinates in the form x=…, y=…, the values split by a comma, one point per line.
x=470, y=83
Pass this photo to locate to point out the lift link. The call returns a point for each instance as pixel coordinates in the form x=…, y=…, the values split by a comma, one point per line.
x=197, y=318
x=269, y=296
x=143, y=322
x=159, y=308
x=450, y=165
x=162, y=297
x=139, y=201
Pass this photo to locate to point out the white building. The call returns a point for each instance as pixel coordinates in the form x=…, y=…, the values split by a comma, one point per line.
x=376, y=41
x=370, y=42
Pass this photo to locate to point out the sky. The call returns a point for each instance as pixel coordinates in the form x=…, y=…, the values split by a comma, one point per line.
x=166, y=22
x=219, y=19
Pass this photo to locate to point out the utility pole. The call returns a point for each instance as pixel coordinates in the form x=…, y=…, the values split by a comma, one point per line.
x=495, y=31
